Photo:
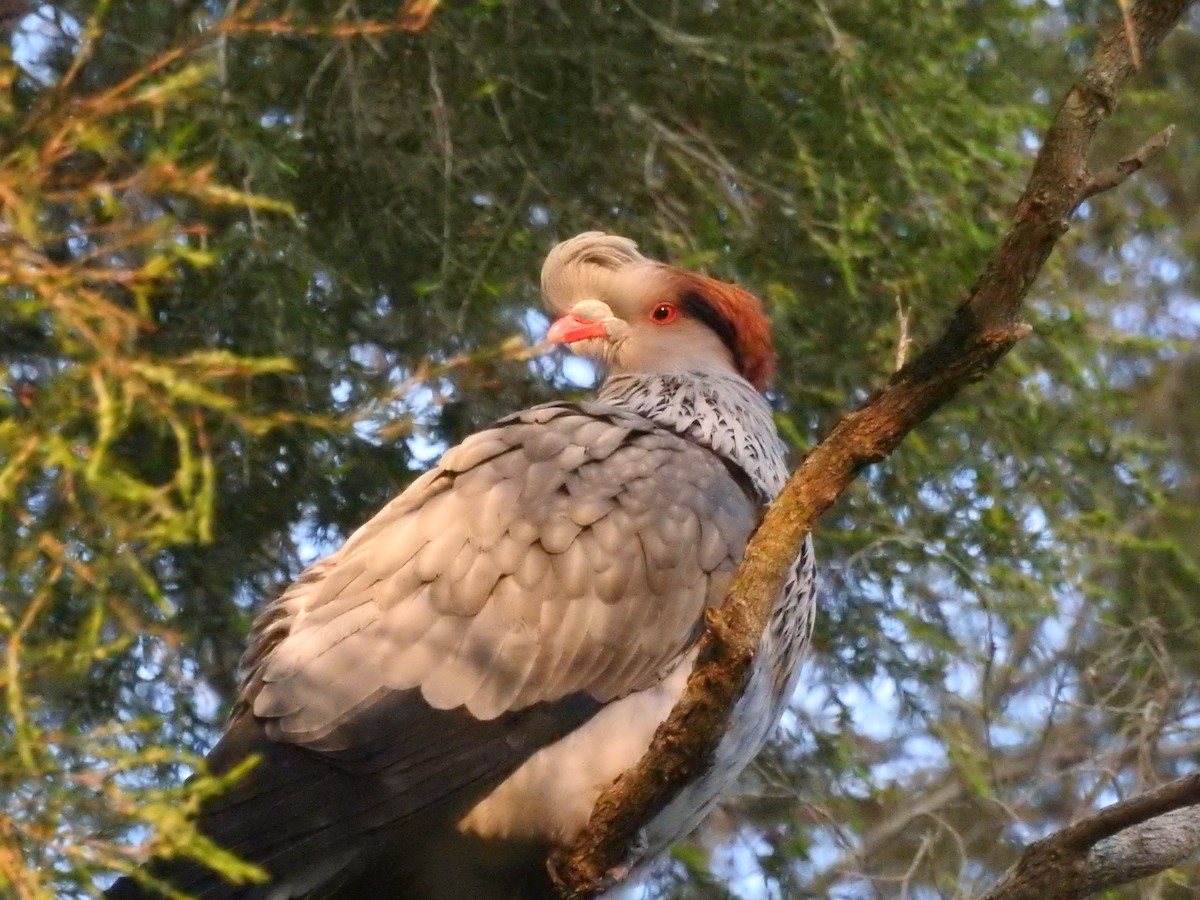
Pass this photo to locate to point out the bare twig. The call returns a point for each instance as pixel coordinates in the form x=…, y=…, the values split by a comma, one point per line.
x=985, y=327
x=415, y=14
x=1117, y=173
x=904, y=339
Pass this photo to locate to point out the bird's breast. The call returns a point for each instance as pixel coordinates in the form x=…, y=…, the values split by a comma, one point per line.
x=549, y=798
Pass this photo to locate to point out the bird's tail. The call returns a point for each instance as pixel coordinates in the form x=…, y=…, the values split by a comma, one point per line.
x=128, y=889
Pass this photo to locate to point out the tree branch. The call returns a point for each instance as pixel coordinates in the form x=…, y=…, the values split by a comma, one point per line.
x=984, y=327
x=1143, y=850
x=1116, y=174
x=11, y=13
x=1121, y=843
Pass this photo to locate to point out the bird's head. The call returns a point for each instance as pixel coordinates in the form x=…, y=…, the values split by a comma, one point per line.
x=633, y=314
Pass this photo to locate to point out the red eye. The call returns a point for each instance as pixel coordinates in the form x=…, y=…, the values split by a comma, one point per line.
x=664, y=314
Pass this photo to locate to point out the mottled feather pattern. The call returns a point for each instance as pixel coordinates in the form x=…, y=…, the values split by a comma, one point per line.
x=717, y=410
x=487, y=595
x=724, y=413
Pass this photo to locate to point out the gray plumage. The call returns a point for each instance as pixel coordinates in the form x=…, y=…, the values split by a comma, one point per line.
x=498, y=541
x=441, y=701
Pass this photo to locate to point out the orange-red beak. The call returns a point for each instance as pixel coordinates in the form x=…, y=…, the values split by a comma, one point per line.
x=570, y=328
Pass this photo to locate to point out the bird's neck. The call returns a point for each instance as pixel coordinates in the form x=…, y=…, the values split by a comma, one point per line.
x=717, y=409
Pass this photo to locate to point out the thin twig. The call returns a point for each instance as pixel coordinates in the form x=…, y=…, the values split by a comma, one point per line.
x=903, y=340
x=1114, y=175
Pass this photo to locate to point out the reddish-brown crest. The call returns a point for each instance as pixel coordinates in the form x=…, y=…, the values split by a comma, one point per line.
x=737, y=318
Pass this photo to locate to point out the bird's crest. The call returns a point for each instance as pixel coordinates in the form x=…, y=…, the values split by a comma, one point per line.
x=583, y=267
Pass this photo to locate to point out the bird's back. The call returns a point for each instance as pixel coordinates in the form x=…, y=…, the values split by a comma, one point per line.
x=395, y=687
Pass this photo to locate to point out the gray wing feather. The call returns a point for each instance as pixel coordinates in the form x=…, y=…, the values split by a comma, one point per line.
x=572, y=548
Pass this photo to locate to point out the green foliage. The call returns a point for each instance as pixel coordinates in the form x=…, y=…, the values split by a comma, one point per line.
x=260, y=261
x=106, y=456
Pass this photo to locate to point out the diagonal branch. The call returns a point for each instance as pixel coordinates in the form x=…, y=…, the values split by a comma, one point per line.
x=985, y=327
x=1132, y=839
x=1142, y=850
x=1122, y=169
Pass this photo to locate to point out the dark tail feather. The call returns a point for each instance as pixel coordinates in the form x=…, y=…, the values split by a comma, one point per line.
x=319, y=822
x=127, y=889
